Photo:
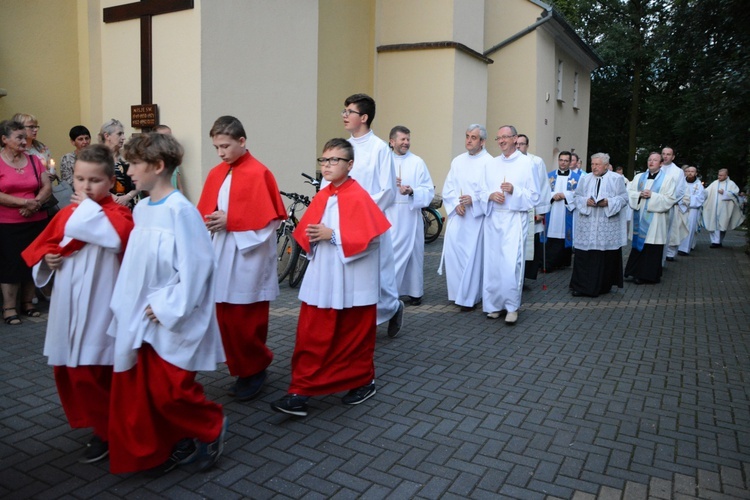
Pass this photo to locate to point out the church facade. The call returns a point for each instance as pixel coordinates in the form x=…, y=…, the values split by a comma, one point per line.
x=284, y=68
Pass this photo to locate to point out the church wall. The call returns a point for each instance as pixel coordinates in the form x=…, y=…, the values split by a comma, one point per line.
x=544, y=142
x=39, y=61
x=435, y=21
x=259, y=63
x=346, y=55
x=571, y=124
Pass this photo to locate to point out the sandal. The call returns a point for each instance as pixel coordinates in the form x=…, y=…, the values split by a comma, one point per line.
x=31, y=311
x=13, y=319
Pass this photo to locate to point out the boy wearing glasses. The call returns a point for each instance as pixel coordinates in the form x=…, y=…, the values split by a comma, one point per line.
x=375, y=172
x=335, y=345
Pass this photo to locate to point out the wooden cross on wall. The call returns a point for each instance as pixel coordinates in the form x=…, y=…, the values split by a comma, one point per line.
x=145, y=10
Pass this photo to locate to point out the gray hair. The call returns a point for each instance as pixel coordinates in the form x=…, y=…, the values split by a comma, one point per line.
x=482, y=130
x=511, y=127
x=109, y=128
x=604, y=157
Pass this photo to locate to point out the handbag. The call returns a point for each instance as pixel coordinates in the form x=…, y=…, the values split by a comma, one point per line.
x=50, y=205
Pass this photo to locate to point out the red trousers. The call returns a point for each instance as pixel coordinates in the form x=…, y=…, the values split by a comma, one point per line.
x=244, y=331
x=84, y=393
x=154, y=405
x=334, y=350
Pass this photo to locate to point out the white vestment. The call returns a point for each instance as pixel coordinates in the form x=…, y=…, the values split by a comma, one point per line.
x=677, y=226
x=246, y=260
x=543, y=206
x=463, y=243
x=691, y=217
x=558, y=210
x=169, y=265
x=721, y=212
x=373, y=170
x=322, y=285
x=506, y=227
x=659, y=204
x=407, y=225
x=79, y=308
x=601, y=228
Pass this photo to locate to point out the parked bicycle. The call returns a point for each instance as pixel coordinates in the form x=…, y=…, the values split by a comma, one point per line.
x=433, y=220
x=291, y=258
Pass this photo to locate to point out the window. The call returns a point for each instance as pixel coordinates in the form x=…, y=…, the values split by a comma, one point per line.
x=575, y=90
x=560, y=81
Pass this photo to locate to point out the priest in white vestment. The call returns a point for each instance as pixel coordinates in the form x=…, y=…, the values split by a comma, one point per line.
x=721, y=212
x=509, y=191
x=416, y=191
x=463, y=243
x=677, y=227
x=600, y=201
x=534, y=244
x=691, y=217
x=651, y=196
x=559, y=237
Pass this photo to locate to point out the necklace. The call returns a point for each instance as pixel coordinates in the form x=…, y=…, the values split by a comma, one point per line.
x=19, y=170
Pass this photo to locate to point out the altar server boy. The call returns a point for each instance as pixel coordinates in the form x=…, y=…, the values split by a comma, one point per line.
x=81, y=248
x=164, y=326
x=335, y=345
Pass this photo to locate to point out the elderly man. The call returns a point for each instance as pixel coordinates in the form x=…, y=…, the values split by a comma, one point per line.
x=534, y=249
x=463, y=245
x=651, y=196
x=600, y=201
x=509, y=192
x=415, y=191
x=559, y=238
x=721, y=212
x=691, y=216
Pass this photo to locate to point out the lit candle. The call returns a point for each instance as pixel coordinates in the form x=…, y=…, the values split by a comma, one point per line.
x=52, y=166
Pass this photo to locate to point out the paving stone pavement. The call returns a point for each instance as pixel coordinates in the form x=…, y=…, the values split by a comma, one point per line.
x=639, y=394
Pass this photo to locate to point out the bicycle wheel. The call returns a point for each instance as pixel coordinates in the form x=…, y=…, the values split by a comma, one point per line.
x=299, y=267
x=284, y=251
x=433, y=224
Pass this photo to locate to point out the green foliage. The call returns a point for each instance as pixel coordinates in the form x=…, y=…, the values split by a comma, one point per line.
x=676, y=73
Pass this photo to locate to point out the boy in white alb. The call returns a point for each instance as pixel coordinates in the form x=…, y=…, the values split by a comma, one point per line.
x=164, y=326
x=81, y=248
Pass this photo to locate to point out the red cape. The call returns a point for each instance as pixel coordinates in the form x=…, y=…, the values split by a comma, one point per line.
x=361, y=219
x=49, y=239
x=254, y=199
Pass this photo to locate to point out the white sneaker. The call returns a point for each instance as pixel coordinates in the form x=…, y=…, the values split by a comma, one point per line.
x=494, y=315
x=511, y=317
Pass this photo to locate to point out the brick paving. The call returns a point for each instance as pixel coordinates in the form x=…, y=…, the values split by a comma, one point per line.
x=639, y=394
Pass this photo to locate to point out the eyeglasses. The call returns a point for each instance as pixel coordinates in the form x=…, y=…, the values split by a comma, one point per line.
x=504, y=137
x=333, y=160
x=32, y=127
x=345, y=113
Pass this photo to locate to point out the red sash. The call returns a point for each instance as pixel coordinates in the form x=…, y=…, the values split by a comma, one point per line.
x=254, y=199
x=361, y=219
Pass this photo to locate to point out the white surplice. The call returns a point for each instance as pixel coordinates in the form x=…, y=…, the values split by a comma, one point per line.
x=333, y=281
x=169, y=264
x=407, y=225
x=463, y=244
x=79, y=308
x=246, y=260
x=601, y=228
x=691, y=217
x=721, y=212
x=506, y=226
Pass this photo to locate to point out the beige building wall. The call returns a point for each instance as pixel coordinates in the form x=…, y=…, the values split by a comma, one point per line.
x=346, y=64
x=38, y=67
x=571, y=122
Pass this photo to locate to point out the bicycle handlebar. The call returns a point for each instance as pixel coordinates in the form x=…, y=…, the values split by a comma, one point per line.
x=297, y=197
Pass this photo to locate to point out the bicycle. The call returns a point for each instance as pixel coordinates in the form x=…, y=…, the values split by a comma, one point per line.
x=288, y=252
x=433, y=220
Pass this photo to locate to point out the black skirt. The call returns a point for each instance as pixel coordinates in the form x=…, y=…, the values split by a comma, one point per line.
x=645, y=265
x=596, y=271
x=14, y=238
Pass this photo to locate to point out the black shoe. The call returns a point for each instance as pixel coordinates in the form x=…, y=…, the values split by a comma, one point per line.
x=207, y=454
x=248, y=387
x=96, y=450
x=185, y=452
x=415, y=301
x=465, y=309
x=291, y=404
x=684, y=254
x=394, y=324
x=359, y=395
x=670, y=259
x=576, y=293
x=715, y=245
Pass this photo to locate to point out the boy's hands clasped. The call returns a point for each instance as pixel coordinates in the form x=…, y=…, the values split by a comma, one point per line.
x=216, y=221
x=318, y=232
